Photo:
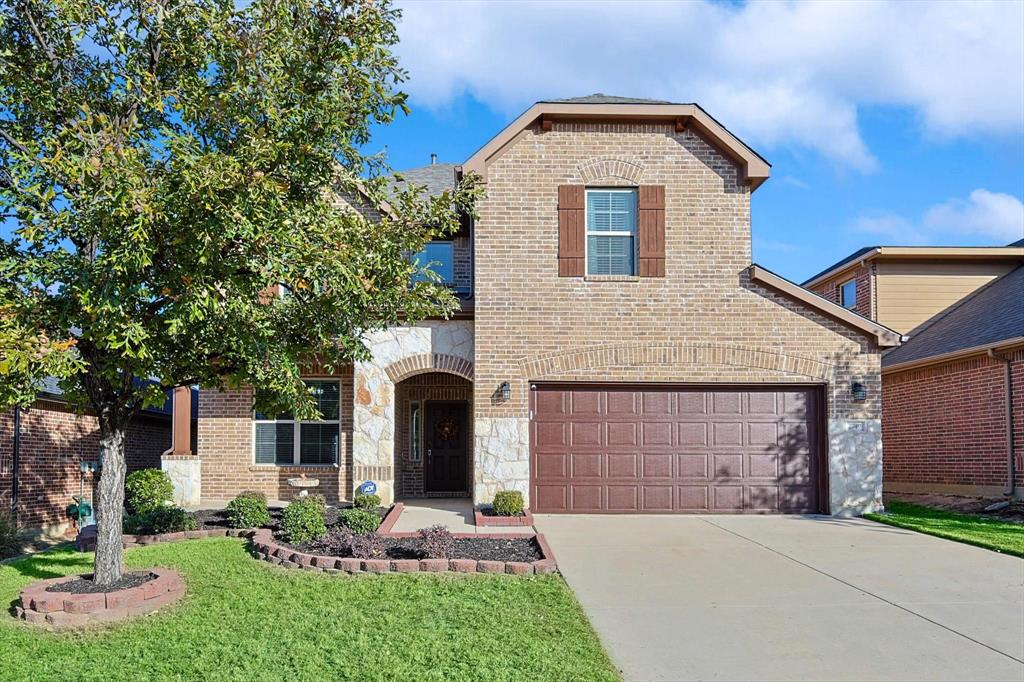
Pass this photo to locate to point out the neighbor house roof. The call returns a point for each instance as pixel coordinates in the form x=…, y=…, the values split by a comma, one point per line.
x=611, y=107
x=49, y=389
x=885, y=337
x=436, y=178
x=991, y=317
x=869, y=253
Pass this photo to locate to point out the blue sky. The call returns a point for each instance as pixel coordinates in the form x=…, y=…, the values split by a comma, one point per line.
x=884, y=123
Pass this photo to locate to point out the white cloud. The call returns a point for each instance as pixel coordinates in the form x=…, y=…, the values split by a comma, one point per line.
x=776, y=73
x=987, y=217
x=987, y=214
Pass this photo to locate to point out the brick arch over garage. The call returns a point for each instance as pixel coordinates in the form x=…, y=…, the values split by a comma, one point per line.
x=560, y=365
x=429, y=362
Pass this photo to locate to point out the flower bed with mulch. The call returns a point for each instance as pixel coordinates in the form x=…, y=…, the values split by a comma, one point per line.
x=485, y=516
x=76, y=601
x=476, y=553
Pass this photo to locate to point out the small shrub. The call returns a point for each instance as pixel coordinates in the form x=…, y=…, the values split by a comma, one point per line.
x=337, y=542
x=359, y=521
x=159, y=520
x=508, y=503
x=10, y=536
x=367, y=501
x=368, y=546
x=146, y=490
x=303, y=519
x=437, y=542
x=256, y=494
x=248, y=510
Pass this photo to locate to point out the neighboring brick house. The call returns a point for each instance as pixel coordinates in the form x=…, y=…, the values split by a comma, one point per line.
x=953, y=392
x=40, y=476
x=616, y=350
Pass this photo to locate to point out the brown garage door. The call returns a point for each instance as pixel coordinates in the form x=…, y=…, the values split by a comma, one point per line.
x=600, y=448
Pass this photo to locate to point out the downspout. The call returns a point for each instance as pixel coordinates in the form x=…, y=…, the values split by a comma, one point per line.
x=1011, y=468
x=16, y=463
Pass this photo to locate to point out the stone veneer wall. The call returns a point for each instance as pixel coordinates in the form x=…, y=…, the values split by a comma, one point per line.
x=397, y=353
x=703, y=322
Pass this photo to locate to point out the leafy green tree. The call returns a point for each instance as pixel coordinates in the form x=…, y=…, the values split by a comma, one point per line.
x=164, y=166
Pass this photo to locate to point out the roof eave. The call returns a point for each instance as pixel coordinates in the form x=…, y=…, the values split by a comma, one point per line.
x=756, y=169
x=922, y=253
x=961, y=354
x=884, y=337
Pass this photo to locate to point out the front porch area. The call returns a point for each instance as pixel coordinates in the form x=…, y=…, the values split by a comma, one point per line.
x=456, y=514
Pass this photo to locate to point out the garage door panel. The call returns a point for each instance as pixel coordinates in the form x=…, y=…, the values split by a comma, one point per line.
x=692, y=465
x=674, y=449
x=586, y=465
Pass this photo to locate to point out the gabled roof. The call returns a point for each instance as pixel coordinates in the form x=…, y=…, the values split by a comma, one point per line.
x=610, y=107
x=884, y=337
x=1012, y=251
x=437, y=177
x=990, y=317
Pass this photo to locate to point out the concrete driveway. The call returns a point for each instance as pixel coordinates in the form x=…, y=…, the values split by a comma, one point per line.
x=791, y=598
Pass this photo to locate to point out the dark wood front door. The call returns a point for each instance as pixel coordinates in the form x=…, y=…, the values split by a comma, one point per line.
x=446, y=441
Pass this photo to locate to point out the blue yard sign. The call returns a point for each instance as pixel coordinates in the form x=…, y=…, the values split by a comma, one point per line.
x=368, y=488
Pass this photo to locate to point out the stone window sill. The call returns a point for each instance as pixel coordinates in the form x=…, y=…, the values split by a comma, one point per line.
x=293, y=467
x=611, y=278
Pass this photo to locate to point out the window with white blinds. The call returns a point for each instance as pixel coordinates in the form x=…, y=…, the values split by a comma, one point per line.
x=611, y=231
x=282, y=440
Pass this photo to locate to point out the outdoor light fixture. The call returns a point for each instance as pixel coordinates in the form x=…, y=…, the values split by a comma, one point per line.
x=505, y=390
x=860, y=392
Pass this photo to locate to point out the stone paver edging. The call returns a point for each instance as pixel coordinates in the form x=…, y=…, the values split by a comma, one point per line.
x=40, y=606
x=266, y=548
x=86, y=540
x=482, y=519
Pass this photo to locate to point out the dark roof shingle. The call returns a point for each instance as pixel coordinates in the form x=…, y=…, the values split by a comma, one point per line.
x=437, y=177
x=991, y=314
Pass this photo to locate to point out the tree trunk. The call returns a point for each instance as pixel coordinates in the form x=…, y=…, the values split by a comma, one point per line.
x=110, y=503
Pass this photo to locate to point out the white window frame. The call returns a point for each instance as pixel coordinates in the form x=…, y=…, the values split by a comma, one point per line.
x=297, y=433
x=842, y=298
x=634, y=233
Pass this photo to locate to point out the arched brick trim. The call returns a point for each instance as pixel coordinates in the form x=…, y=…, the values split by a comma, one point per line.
x=674, y=354
x=429, y=362
x=598, y=169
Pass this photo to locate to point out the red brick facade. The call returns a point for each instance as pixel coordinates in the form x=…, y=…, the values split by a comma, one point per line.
x=53, y=442
x=830, y=290
x=945, y=426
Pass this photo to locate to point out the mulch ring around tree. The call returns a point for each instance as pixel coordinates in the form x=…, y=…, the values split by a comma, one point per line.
x=482, y=549
x=84, y=584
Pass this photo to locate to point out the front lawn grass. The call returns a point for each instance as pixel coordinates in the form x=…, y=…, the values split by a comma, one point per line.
x=1002, y=536
x=243, y=619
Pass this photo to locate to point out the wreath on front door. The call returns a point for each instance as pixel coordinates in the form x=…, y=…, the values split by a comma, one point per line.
x=447, y=429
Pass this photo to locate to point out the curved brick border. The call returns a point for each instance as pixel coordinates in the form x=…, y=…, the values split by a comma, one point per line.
x=86, y=540
x=267, y=549
x=67, y=609
x=482, y=519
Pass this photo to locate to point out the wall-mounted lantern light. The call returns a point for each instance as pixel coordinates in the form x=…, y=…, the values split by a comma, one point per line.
x=505, y=391
x=859, y=391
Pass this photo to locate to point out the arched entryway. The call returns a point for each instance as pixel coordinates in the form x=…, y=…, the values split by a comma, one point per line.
x=433, y=436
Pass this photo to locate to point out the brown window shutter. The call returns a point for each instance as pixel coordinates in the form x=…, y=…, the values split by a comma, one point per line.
x=571, y=230
x=652, y=231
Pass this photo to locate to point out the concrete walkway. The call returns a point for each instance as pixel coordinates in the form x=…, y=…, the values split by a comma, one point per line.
x=791, y=598
x=455, y=513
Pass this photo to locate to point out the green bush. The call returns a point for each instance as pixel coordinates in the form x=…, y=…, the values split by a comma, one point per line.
x=146, y=490
x=303, y=519
x=248, y=510
x=359, y=521
x=367, y=501
x=508, y=503
x=159, y=520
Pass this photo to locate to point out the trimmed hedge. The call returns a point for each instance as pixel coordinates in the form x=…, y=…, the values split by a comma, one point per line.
x=303, y=519
x=359, y=521
x=146, y=490
x=508, y=503
x=248, y=510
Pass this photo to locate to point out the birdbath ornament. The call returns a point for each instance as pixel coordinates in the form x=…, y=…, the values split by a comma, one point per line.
x=303, y=484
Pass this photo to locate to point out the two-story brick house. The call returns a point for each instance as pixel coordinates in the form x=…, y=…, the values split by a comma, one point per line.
x=616, y=352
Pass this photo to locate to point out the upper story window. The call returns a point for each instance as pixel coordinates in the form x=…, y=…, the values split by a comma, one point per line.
x=282, y=440
x=848, y=294
x=611, y=231
x=438, y=257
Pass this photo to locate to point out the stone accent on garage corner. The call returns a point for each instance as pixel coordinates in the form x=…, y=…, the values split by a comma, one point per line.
x=855, y=466
x=502, y=455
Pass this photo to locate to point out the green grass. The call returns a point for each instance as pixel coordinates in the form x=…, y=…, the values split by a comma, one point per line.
x=247, y=620
x=1000, y=536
